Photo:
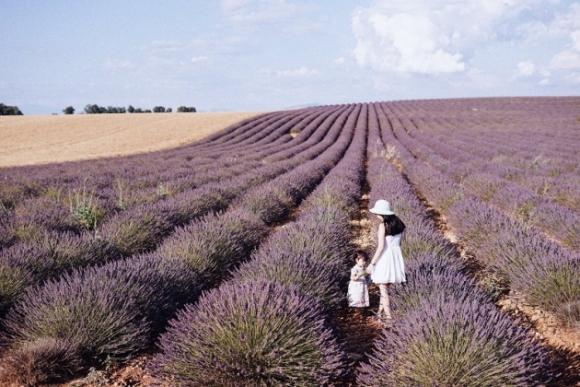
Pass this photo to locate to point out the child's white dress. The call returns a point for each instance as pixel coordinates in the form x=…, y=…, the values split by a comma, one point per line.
x=358, y=290
x=390, y=268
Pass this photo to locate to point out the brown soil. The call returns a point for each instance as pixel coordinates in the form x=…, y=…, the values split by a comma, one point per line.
x=133, y=374
x=548, y=327
x=27, y=140
x=357, y=327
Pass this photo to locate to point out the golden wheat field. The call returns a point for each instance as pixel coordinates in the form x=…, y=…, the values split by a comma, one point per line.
x=28, y=140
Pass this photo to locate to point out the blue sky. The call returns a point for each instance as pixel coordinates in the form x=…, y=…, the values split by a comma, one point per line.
x=274, y=54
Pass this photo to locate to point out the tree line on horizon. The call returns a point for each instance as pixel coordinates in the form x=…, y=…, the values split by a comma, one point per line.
x=7, y=110
x=96, y=109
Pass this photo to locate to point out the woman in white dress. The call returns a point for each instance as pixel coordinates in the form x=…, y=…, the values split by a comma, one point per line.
x=387, y=266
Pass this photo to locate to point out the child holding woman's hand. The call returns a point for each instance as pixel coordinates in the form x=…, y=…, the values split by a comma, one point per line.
x=358, y=291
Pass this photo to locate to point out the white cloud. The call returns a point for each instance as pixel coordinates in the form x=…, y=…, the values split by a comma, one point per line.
x=568, y=24
x=574, y=78
x=575, y=36
x=197, y=59
x=565, y=60
x=230, y=5
x=402, y=42
x=484, y=80
x=526, y=69
x=427, y=36
x=567, y=21
x=340, y=60
x=258, y=11
x=545, y=82
x=302, y=71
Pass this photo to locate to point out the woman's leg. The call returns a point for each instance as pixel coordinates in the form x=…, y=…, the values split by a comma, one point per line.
x=380, y=310
x=385, y=304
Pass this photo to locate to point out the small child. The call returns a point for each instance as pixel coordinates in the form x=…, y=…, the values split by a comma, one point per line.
x=358, y=291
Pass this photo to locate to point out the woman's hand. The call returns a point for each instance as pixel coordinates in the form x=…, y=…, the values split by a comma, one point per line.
x=370, y=268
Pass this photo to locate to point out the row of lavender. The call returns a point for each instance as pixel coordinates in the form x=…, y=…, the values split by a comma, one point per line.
x=24, y=182
x=144, y=228
x=113, y=312
x=527, y=124
x=529, y=263
x=269, y=324
x=497, y=184
x=82, y=207
x=447, y=330
x=85, y=198
x=554, y=165
x=528, y=145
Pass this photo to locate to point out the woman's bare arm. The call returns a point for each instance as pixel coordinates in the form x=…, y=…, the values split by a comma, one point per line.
x=380, y=243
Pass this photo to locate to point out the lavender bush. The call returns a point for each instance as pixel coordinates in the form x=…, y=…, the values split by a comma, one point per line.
x=99, y=314
x=302, y=265
x=217, y=242
x=455, y=343
x=251, y=334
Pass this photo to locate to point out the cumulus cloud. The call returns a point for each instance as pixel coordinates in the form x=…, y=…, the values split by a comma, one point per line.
x=568, y=21
x=564, y=26
x=427, y=36
x=526, y=69
x=569, y=58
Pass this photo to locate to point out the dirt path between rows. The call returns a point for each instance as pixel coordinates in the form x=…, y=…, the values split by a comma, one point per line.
x=358, y=328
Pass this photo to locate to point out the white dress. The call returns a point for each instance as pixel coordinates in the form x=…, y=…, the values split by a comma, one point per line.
x=390, y=267
x=358, y=290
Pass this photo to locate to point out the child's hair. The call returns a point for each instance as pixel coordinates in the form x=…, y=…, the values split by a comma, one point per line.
x=361, y=254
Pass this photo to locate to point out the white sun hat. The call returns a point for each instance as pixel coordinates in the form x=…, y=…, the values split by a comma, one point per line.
x=382, y=207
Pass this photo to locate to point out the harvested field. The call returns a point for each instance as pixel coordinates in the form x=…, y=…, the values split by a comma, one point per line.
x=30, y=140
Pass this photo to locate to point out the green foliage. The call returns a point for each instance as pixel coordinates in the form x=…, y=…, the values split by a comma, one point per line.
x=84, y=208
x=558, y=290
x=6, y=110
x=121, y=191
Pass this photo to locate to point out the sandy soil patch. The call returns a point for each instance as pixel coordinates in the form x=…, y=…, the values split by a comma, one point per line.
x=27, y=140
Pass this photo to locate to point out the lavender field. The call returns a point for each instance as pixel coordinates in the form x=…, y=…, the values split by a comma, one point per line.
x=225, y=262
